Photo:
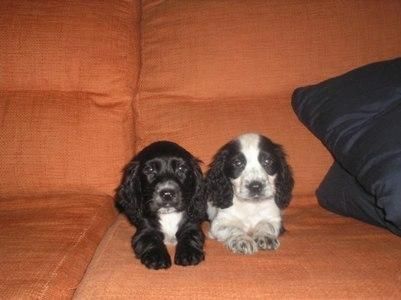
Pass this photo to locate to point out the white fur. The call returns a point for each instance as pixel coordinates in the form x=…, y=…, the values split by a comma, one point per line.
x=245, y=217
x=169, y=223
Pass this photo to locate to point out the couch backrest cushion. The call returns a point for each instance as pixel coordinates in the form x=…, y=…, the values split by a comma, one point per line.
x=214, y=69
x=68, y=74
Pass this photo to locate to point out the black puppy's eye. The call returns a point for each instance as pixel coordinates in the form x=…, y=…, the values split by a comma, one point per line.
x=149, y=170
x=182, y=169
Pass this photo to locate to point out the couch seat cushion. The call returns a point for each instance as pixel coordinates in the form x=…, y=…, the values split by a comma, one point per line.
x=46, y=243
x=321, y=255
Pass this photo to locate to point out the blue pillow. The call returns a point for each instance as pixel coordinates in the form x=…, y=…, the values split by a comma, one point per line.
x=357, y=116
x=340, y=193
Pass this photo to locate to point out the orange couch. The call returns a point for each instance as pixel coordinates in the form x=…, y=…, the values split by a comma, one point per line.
x=85, y=84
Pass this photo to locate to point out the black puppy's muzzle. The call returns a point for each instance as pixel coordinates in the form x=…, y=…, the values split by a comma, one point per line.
x=168, y=194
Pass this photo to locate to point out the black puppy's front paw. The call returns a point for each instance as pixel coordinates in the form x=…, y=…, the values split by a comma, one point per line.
x=156, y=259
x=188, y=255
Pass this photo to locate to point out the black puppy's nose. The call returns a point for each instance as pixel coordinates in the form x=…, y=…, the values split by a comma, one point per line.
x=167, y=194
x=255, y=187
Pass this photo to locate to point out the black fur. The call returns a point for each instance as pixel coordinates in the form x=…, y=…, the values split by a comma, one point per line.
x=219, y=190
x=284, y=179
x=135, y=197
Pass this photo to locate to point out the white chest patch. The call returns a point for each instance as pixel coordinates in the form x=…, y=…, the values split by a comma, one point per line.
x=169, y=223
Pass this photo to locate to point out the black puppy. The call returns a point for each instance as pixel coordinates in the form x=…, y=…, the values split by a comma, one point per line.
x=162, y=195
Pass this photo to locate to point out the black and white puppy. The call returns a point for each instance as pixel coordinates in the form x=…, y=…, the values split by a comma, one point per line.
x=162, y=195
x=248, y=185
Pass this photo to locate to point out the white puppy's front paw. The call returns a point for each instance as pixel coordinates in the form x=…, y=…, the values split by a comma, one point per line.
x=266, y=242
x=242, y=244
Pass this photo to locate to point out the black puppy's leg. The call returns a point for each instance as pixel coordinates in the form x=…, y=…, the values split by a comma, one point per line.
x=149, y=247
x=189, y=249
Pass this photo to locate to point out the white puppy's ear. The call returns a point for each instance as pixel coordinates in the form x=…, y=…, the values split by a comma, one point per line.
x=219, y=190
x=284, y=179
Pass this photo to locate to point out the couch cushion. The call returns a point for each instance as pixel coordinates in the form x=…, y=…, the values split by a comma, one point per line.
x=321, y=256
x=203, y=126
x=214, y=69
x=68, y=76
x=47, y=243
x=52, y=142
x=358, y=117
x=77, y=45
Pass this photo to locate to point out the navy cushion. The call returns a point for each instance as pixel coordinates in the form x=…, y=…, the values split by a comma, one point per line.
x=341, y=193
x=358, y=118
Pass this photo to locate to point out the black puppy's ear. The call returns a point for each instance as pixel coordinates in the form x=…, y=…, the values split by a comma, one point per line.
x=284, y=180
x=219, y=190
x=197, y=206
x=128, y=195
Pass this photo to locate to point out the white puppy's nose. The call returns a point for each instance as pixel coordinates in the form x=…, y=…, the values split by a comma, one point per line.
x=255, y=187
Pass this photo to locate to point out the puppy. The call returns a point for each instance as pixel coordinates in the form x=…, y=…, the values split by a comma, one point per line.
x=248, y=185
x=162, y=195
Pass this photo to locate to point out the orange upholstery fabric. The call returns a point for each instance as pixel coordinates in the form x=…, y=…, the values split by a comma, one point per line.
x=214, y=69
x=68, y=77
x=54, y=142
x=219, y=49
x=322, y=256
x=202, y=127
x=78, y=45
x=46, y=243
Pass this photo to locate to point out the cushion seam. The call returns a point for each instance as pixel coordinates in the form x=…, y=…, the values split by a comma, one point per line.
x=54, y=273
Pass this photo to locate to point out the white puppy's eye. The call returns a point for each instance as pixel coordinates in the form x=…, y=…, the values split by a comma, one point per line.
x=237, y=163
x=266, y=162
